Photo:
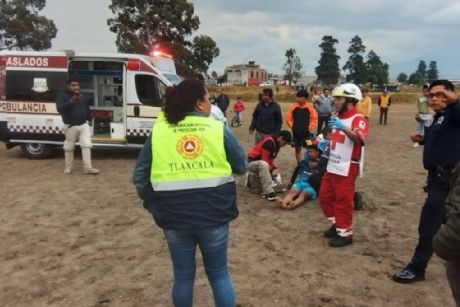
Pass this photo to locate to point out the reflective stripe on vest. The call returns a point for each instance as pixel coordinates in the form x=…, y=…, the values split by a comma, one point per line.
x=188, y=155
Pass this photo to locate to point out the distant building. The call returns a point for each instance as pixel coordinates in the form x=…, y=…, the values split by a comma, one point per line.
x=306, y=80
x=210, y=81
x=246, y=74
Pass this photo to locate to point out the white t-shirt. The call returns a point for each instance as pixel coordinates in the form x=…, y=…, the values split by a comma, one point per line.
x=217, y=114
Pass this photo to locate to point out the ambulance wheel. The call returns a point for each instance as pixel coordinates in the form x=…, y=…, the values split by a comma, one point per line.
x=36, y=151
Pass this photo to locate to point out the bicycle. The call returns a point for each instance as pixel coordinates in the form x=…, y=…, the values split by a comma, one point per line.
x=236, y=122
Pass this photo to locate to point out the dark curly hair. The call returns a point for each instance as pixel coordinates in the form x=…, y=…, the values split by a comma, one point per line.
x=181, y=98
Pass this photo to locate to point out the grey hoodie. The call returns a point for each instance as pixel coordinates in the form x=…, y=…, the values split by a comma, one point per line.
x=324, y=105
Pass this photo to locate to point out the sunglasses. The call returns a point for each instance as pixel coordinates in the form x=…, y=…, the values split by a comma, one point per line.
x=437, y=95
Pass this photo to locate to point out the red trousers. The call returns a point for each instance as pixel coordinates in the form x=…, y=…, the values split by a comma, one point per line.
x=336, y=199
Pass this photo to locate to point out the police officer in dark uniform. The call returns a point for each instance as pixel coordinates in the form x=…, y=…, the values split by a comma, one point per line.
x=440, y=155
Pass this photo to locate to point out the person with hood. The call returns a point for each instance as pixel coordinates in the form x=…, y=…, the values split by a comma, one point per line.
x=301, y=118
x=324, y=105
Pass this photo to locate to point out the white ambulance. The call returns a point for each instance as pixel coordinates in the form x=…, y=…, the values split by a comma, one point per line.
x=125, y=93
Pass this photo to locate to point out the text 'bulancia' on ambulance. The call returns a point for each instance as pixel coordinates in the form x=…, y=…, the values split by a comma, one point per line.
x=125, y=93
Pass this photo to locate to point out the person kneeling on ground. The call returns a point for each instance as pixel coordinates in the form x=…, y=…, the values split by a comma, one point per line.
x=261, y=160
x=301, y=190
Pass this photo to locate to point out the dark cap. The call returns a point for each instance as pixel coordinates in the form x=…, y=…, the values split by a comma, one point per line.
x=302, y=93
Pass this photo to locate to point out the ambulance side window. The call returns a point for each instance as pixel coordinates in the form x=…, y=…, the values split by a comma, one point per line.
x=148, y=90
x=29, y=85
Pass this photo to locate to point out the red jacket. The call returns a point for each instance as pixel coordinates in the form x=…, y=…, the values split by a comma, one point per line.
x=266, y=150
x=238, y=106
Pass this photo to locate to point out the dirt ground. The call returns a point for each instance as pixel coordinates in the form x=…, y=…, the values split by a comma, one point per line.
x=79, y=240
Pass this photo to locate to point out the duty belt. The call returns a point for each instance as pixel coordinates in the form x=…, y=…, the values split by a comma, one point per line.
x=442, y=173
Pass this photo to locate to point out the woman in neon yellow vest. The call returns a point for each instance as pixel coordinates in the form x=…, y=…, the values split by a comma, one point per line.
x=184, y=176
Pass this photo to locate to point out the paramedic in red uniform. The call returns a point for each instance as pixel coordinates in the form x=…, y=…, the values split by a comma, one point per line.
x=76, y=116
x=349, y=133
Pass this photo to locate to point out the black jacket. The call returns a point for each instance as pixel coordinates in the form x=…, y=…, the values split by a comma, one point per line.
x=73, y=113
x=442, y=145
x=223, y=102
x=267, y=119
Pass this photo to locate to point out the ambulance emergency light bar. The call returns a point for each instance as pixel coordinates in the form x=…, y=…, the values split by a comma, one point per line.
x=159, y=53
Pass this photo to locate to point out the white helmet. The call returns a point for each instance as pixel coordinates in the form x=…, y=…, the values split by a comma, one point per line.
x=347, y=90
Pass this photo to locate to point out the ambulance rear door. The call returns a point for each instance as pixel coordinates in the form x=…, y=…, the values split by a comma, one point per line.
x=30, y=82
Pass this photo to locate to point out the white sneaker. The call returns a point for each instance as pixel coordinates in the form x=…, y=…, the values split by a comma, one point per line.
x=91, y=171
x=415, y=145
x=67, y=170
x=246, y=181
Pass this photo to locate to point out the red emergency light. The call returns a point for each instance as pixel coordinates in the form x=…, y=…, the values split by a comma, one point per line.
x=159, y=53
x=134, y=65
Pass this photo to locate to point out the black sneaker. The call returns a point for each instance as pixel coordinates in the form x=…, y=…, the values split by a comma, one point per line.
x=407, y=276
x=270, y=196
x=358, y=201
x=330, y=233
x=339, y=241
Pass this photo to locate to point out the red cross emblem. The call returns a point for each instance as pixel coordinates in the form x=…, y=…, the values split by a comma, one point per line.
x=337, y=137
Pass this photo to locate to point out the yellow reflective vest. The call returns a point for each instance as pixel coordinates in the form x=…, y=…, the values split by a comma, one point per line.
x=188, y=155
x=384, y=101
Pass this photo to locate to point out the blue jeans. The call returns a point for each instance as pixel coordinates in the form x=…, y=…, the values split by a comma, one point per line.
x=213, y=245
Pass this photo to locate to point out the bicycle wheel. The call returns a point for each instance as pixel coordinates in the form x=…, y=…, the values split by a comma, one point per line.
x=235, y=122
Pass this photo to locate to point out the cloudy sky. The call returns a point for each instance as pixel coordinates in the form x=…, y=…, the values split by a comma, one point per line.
x=401, y=32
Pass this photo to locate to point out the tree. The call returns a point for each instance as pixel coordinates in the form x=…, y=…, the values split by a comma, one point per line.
x=22, y=28
x=432, y=72
x=357, y=71
x=417, y=78
x=377, y=71
x=402, y=77
x=328, y=70
x=422, y=68
x=196, y=59
x=293, y=65
x=214, y=75
x=142, y=25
